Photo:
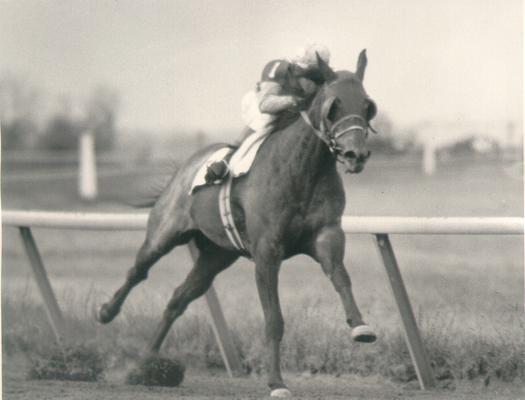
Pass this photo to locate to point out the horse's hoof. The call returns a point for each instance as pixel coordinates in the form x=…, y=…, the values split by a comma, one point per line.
x=363, y=334
x=281, y=392
x=104, y=316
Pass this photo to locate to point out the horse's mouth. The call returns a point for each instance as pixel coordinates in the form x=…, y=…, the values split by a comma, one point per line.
x=352, y=167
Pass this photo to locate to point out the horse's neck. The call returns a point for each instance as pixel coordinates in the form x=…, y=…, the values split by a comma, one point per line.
x=307, y=157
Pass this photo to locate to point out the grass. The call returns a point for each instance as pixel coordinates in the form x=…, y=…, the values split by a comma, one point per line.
x=316, y=340
x=467, y=292
x=79, y=363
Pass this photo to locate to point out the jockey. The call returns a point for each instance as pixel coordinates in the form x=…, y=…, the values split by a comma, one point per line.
x=284, y=86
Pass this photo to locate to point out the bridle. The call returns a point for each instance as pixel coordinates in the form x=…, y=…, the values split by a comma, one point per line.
x=362, y=127
x=330, y=136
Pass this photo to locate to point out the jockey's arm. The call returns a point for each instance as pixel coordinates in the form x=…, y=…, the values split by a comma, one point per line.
x=271, y=99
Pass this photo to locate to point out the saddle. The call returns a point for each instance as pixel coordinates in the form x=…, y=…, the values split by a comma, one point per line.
x=239, y=164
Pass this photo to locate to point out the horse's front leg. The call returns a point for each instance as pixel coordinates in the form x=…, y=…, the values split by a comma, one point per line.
x=328, y=250
x=267, y=276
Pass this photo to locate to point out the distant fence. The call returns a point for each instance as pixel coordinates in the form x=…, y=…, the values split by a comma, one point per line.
x=29, y=166
x=380, y=227
x=64, y=158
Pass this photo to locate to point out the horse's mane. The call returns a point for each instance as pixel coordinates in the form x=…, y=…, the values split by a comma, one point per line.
x=287, y=118
x=284, y=120
x=315, y=102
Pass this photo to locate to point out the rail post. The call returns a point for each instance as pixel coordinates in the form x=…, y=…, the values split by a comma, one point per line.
x=229, y=353
x=412, y=335
x=39, y=272
x=87, y=171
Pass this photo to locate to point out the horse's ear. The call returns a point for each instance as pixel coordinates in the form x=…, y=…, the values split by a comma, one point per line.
x=327, y=72
x=361, y=65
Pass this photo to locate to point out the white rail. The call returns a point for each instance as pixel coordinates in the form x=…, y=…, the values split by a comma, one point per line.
x=75, y=220
x=435, y=225
x=393, y=225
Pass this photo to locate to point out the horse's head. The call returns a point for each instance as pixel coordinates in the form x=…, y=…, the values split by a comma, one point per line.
x=342, y=110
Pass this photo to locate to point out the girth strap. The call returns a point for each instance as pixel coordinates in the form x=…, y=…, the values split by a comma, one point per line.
x=227, y=217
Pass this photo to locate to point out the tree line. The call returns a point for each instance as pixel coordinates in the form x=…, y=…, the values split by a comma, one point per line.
x=29, y=122
x=24, y=126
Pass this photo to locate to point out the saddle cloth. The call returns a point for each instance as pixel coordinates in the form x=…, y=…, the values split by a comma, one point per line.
x=240, y=162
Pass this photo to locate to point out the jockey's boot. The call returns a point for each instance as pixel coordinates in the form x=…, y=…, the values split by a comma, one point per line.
x=216, y=171
x=220, y=169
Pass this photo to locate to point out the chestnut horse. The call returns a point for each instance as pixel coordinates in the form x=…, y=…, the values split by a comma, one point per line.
x=290, y=203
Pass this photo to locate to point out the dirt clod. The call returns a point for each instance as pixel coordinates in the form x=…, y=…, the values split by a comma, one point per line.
x=157, y=371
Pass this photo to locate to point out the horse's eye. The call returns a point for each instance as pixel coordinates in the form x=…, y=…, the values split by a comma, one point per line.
x=371, y=110
x=333, y=114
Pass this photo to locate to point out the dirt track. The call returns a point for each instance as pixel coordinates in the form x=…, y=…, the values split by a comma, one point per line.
x=206, y=385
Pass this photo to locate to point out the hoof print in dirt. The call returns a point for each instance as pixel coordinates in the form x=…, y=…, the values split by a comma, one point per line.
x=70, y=364
x=157, y=371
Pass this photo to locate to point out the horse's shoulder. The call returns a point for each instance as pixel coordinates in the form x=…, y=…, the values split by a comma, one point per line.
x=330, y=193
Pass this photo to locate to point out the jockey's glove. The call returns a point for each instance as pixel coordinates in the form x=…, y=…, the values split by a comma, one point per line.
x=300, y=104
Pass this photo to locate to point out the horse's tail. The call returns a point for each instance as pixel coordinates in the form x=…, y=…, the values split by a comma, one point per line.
x=144, y=202
x=149, y=195
x=148, y=199
x=158, y=186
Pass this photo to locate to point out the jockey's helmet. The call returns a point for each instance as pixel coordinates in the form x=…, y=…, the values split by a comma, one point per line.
x=305, y=56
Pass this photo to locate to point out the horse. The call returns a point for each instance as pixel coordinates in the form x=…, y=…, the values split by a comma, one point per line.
x=291, y=202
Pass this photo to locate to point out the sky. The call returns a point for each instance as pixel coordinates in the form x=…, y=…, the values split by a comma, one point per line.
x=187, y=64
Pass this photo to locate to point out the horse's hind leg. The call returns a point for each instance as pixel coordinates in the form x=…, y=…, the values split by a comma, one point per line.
x=163, y=234
x=146, y=257
x=210, y=260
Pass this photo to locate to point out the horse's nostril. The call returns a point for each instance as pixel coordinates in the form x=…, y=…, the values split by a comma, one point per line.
x=350, y=154
x=364, y=156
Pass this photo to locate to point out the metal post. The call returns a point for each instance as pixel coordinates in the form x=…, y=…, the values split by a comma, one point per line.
x=228, y=351
x=39, y=272
x=412, y=335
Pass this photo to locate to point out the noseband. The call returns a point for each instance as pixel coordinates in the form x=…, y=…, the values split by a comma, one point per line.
x=333, y=131
x=330, y=136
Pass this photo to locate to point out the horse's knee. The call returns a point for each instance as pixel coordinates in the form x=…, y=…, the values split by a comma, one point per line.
x=329, y=247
